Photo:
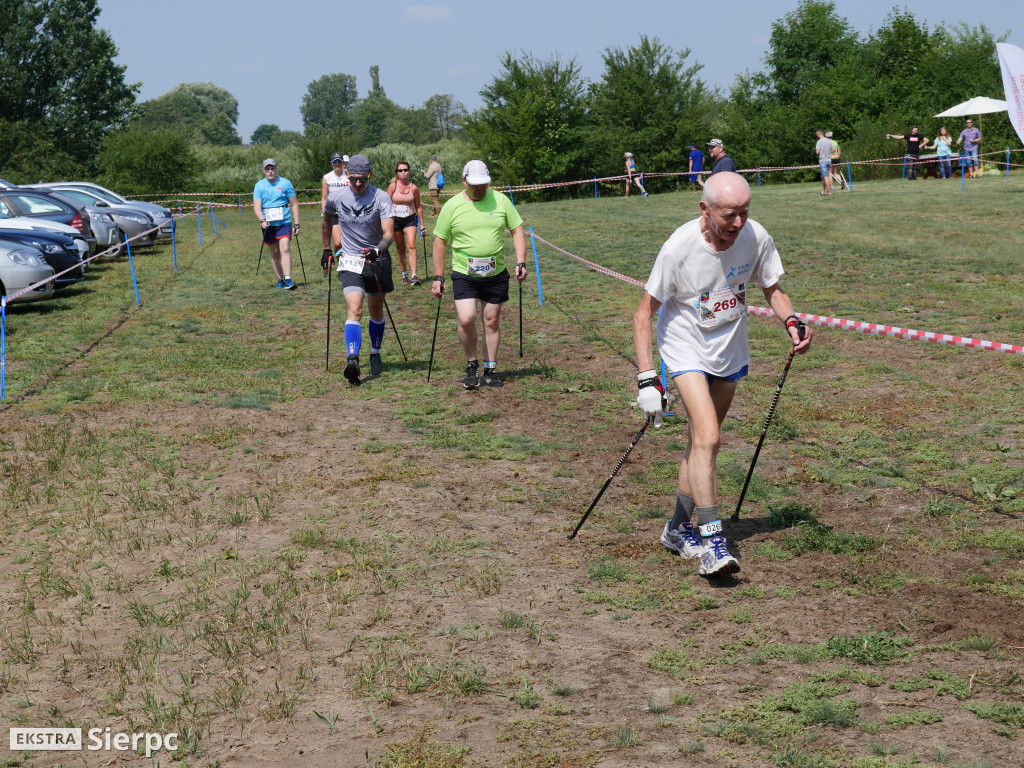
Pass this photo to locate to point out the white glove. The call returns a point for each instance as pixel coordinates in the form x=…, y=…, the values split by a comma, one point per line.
x=651, y=397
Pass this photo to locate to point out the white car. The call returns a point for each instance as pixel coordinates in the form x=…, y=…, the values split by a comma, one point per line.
x=20, y=267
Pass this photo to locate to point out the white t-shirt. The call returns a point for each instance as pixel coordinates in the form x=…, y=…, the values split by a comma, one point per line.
x=703, y=322
x=334, y=180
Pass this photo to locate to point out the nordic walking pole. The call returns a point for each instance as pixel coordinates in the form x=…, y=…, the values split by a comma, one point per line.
x=764, y=429
x=520, y=318
x=259, y=259
x=437, y=317
x=327, y=357
x=609, y=480
x=299, y=245
x=384, y=298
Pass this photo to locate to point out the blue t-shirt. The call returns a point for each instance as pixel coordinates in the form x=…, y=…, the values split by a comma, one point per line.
x=698, y=160
x=274, y=196
x=359, y=216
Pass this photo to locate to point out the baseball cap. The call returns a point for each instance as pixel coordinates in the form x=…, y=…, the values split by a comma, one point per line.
x=715, y=143
x=337, y=157
x=358, y=165
x=828, y=134
x=692, y=146
x=475, y=172
x=433, y=157
x=344, y=158
x=269, y=161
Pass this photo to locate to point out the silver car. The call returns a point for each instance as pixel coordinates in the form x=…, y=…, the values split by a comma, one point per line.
x=20, y=267
x=161, y=216
x=128, y=222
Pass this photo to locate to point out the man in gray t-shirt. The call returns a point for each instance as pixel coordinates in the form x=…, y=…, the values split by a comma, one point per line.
x=366, y=219
x=823, y=149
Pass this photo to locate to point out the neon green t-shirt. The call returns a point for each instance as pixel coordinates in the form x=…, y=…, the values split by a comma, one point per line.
x=477, y=232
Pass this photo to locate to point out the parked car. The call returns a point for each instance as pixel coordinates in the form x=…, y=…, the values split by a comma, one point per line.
x=35, y=203
x=20, y=267
x=129, y=220
x=161, y=216
x=59, y=251
x=10, y=221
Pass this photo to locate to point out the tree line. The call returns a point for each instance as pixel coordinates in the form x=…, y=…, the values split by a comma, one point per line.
x=66, y=108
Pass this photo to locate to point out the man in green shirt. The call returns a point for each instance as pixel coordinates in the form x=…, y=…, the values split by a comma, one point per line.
x=475, y=221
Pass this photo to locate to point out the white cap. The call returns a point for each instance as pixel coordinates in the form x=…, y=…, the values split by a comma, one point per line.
x=475, y=172
x=344, y=158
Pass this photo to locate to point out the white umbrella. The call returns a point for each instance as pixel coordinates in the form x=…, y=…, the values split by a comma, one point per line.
x=975, y=106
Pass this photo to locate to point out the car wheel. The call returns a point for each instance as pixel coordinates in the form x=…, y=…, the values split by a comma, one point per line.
x=119, y=248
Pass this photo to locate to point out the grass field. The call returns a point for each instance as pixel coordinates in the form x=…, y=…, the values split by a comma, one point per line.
x=206, y=533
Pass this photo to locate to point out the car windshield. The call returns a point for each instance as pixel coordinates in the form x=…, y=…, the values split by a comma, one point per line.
x=33, y=204
x=75, y=195
x=105, y=196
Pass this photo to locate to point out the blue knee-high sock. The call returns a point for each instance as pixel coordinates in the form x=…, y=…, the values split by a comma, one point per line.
x=376, y=329
x=353, y=337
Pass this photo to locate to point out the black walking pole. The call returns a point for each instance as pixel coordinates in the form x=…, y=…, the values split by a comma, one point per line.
x=300, y=258
x=520, y=318
x=764, y=429
x=437, y=317
x=259, y=259
x=330, y=280
x=609, y=480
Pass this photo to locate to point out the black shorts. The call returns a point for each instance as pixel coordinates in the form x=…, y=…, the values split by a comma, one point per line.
x=401, y=222
x=367, y=281
x=489, y=290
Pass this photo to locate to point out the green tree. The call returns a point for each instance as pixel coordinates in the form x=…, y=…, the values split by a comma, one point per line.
x=446, y=114
x=142, y=160
x=533, y=119
x=205, y=111
x=57, y=71
x=264, y=133
x=328, y=102
x=649, y=102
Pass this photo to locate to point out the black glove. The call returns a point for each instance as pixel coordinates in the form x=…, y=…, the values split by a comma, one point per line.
x=372, y=254
x=326, y=258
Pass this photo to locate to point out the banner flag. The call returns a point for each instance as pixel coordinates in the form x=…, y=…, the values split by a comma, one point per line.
x=1011, y=62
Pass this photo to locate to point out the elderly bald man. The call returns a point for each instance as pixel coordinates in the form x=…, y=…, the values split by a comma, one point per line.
x=700, y=278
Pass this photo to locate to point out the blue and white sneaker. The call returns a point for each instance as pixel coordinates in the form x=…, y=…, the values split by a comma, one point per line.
x=288, y=284
x=715, y=559
x=280, y=284
x=682, y=541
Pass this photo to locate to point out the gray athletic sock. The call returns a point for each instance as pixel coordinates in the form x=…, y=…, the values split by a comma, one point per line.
x=684, y=510
x=707, y=522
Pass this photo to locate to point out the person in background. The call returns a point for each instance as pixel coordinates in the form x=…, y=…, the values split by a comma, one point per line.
x=334, y=178
x=633, y=176
x=696, y=166
x=408, y=221
x=823, y=149
x=435, y=194
x=914, y=142
x=836, y=173
x=275, y=205
x=716, y=148
x=943, y=146
x=971, y=138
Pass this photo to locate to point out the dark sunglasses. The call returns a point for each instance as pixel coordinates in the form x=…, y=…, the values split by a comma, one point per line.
x=358, y=179
x=337, y=162
x=401, y=170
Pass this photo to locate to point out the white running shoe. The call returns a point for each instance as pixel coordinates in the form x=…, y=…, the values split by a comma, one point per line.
x=715, y=559
x=682, y=541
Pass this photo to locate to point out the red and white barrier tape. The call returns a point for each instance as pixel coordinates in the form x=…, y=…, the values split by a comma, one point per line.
x=873, y=329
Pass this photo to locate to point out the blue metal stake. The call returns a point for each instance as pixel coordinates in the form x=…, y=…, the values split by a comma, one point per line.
x=595, y=178
x=758, y=178
x=214, y=220
x=961, y=173
x=239, y=203
x=131, y=264
x=179, y=206
x=510, y=195
x=904, y=168
x=536, y=267
x=174, y=246
x=199, y=219
x=1007, y=162
x=849, y=176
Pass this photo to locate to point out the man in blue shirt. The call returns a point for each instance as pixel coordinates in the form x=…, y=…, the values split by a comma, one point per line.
x=696, y=166
x=275, y=204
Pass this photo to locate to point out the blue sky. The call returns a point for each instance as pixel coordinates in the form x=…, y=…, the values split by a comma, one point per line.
x=266, y=52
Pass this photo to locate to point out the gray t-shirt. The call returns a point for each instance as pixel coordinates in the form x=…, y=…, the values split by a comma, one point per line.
x=359, y=216
x=824, y=149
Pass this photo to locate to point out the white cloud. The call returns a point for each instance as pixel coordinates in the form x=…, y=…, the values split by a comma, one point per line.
x=427, y=13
